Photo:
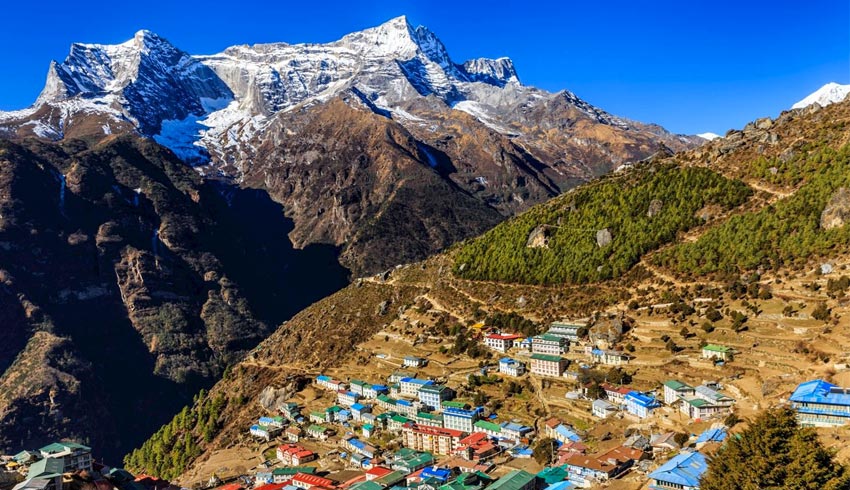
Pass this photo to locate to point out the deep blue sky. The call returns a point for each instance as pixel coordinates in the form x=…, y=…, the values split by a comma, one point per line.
x=689, y=65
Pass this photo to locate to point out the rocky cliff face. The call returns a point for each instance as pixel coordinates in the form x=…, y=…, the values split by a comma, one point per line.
x=122, y=275
x=252, y=114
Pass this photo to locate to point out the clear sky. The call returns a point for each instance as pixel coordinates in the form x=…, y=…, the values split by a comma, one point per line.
x=689, y=65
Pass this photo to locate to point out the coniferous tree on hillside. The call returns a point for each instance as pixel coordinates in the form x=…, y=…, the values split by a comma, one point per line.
x=773, y=453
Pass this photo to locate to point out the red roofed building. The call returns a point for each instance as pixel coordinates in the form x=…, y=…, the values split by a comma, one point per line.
x=271, y=486
x=476, y=446
x=231, y=486
x=294, y=455
x=305, y=481
x=501, y=342
x=377, y=472
x=615, y=394
x=434, y=440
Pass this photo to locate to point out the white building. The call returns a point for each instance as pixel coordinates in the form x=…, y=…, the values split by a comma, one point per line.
x=501, y=342
x=511, y=367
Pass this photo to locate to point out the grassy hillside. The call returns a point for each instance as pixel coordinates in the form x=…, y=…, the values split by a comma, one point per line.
x=642, y=211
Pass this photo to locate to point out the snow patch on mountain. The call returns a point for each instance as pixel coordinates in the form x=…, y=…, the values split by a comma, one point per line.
x=709, y=136
x=828, y=94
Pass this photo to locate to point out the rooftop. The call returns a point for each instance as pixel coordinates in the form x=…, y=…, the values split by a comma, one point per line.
x=515, y=480
x=716, y=348
x=684, y=469
x=547, y=357
x=819, y=391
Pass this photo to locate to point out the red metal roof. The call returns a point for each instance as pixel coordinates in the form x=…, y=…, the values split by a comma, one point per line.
x=313, y=480
x=504, y=336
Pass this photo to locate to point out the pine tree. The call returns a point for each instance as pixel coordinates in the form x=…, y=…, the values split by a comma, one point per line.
x=773, y=453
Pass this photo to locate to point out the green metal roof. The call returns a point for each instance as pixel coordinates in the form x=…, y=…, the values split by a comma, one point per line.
x=676, y=385
x=46, y=468
x=58, y=447
x=698, y=402
x=716, y=348
x=550, y=338
x=488, y=426
x=357, y=382
x=316, y=428
x=293, y=470
x=454, y=404
x=400, y=419
x=547, y=357
x=515, y=480
x=433, y=388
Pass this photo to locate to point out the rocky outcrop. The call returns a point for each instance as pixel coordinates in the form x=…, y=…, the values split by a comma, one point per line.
x=604, y=237
x=538, y=238
x=837, y=210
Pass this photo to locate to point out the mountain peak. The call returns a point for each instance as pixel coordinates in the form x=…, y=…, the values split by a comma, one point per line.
x=828, y=94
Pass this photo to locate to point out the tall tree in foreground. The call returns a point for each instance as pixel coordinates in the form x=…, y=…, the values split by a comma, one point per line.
x=774, y=453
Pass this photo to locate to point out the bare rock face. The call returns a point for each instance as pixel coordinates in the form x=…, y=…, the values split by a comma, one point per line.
x=655, y=207
x=538, y=238
x=604, y=237
x=837, y=210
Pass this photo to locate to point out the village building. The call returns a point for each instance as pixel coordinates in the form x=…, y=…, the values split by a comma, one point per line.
x=676, y=390
x=347, y=398
x=410, y=386
x=682, y=472
x=489, y=428
x=566, y=330
x=821, y=404
x=610, y=357
x=306, y=481
x=432, y=395
x=328, y=383
x=74, y=456
x=501, y=342
x=548, y=365
x=355, y=445
x=414, y=362
x=615, y=394
x=515, y=431
x=276, y=421
x=603, y=409
x=511, y=367
x=476, y=446
x=549, y=344
x=434, y=440
x=284, y=475
x=515, y=480
x=373, y=391
x=429, y=419
x=718, y=352
x=358, y=410
x=45, y=474
x=264, y=432
x=357, y=386
x=664, y=443
x=397, y=422
x=585, y=471
x=397, y=376
x=291, y=411
x=319, y=432
x=294, y=455
x=640, y=404
x=407, y=460
x=293, y=433
x=459, y=419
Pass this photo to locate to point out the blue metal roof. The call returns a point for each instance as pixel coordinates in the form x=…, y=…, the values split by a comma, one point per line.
x=684, y=469
x=458, y=412
x=522, y=429
x=564, y=431
x=642, y=399
x=819, y=391
x=712, y=435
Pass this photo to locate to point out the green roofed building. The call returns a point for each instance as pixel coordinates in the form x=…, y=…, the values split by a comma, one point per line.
x=548, y=365
x=515, y=480
x=719, y=352
x=489, y=428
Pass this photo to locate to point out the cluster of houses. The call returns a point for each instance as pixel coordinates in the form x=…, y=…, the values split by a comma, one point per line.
x=69, y=465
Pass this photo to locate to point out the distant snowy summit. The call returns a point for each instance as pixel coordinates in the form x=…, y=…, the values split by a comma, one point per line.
x=220, y=107
x=709, y=136
x=828, y=94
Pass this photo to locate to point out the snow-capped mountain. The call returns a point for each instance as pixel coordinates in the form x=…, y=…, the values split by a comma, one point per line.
x=828, y=94
x=353, y=137
x=709, y=136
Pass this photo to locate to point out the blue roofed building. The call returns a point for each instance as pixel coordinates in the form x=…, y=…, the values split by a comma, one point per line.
x=682, y=472
x=640, y=404
x=712, y=435
x=821, y=404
